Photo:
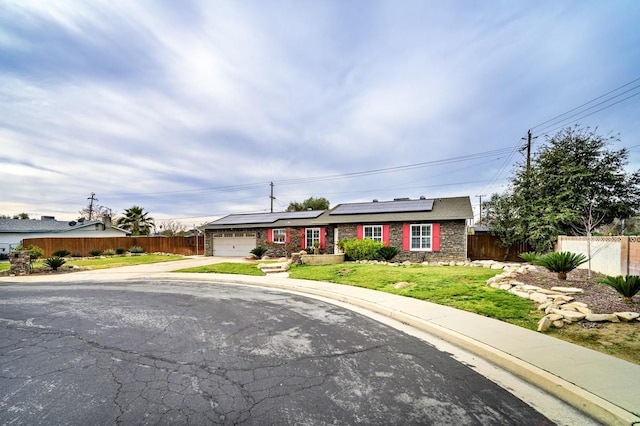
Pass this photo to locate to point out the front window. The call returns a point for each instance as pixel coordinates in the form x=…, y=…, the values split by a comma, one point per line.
x=421, y=237
x=279, y=236
x=374, y=232
x=312, y=237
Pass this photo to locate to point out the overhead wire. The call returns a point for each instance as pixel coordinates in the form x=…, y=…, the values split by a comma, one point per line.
x=579, y=112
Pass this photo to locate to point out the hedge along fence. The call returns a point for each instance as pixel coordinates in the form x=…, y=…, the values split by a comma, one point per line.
x=187, y=246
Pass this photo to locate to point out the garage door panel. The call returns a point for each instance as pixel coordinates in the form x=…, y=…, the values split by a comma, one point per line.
x=233, y=246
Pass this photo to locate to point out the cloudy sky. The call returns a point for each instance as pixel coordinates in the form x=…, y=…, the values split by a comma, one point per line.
x=191, y=109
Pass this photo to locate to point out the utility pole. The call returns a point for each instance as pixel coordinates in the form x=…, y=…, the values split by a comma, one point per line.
x=272, y=197
x=92, y=198
x=480, y=196
x=529, y=139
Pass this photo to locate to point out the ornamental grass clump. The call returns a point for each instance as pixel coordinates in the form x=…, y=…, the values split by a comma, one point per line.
x=627, y=286
x=529, y=256
x=258, y=251
x=136, y=250
x=561, y=262
x=54, y=262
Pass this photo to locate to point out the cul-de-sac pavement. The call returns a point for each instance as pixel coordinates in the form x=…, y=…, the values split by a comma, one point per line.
x=188, y=352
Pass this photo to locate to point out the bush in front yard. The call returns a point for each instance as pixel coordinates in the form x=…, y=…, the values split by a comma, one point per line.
x=61, y=253
x=561, y=262
x=95, y=252
x=258, y=251
x=120, y=250
x=109, y=252
x=35, y=252
x=388, y=253
x=55, y=262
x=365, y=249
x=627, y=286
x=136, y=250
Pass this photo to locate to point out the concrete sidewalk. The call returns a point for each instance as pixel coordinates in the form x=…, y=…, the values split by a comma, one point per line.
x=600, y=385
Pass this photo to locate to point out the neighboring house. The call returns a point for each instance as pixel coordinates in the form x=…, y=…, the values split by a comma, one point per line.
x=13, y=231
x=422, y=230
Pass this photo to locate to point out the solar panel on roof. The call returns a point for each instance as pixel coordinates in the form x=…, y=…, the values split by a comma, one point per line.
x=384, y=207
x=257, y=218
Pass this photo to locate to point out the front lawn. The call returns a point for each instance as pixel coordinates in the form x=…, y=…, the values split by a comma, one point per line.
x=118, y=261
x=227, y=268
x=456, y=286
x=104, y=262
x=460, y=287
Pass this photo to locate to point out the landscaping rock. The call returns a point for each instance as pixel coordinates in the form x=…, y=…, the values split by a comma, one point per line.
x=627, y=316
x=570, y=316
x=568, y=290
x=602, y=318
x=544, y=324
x=538, y=297
x=401, y=285
x=558, y=323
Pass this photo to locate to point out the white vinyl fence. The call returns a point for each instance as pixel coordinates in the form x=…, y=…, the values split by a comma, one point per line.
x=609, y=255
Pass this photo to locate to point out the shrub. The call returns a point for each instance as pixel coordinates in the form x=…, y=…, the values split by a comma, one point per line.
x=109, y=252
x=55, y=262
x=530, y=256
x=95, y=252
x=35, y=252
x=120, y=250
x=259, y=251
x=388, y=253
x=61, y=253
x=366, y=249
x=136, y=250
x=561, y=262
x=627, y=286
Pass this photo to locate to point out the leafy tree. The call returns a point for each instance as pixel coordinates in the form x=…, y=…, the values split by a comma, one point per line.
x=502, y=217
x=309, y=204
x=21, y=216
x=575, y=183
x=136, y=220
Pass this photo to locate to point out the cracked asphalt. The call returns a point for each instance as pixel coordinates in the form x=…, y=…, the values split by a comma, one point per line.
x=205, y=353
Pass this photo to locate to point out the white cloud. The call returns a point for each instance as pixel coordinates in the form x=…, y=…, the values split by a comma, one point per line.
x=142, y=102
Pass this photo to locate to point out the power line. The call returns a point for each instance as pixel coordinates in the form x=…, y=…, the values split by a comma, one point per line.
x=592, y=113
x=589, y=102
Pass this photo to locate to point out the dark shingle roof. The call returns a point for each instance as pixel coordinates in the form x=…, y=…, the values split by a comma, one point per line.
x=456, y=208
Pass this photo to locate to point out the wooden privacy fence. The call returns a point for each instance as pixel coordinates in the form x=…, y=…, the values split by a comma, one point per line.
x=488, y=247
x=187, y=246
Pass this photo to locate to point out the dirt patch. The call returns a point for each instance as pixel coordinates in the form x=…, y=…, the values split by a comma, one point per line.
x=621, y=340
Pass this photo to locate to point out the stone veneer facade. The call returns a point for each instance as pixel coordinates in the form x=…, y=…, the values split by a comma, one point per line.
x=453, y=242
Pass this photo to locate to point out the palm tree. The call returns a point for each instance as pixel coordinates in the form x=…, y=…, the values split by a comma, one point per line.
x=135, y=219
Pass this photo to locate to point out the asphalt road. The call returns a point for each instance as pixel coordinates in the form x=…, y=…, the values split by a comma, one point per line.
x=204, y=353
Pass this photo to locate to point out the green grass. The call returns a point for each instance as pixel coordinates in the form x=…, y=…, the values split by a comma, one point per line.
x=459, y=287
x=228, y=268
x=112, y=262
x=4, y=266
x=115, y=262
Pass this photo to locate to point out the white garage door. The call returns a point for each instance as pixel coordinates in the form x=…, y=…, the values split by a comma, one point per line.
x=233, y=243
